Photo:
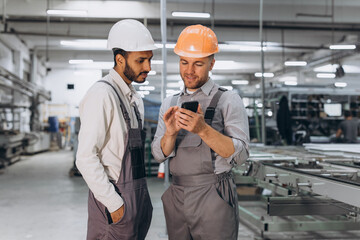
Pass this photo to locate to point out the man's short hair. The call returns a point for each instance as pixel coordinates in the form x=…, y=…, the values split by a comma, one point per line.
x=120, y=51
x=347, y=113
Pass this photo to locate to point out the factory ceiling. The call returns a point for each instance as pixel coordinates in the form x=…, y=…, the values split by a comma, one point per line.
x=292, y=31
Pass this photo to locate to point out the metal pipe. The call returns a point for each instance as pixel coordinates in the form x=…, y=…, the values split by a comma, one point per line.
x=47, y=32
x=34, y=66
x=164, y=72
x=213, y=14
x=4, y=13
x=263, y=130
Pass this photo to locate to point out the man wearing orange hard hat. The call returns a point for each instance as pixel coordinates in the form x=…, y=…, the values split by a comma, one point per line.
x=204, y=132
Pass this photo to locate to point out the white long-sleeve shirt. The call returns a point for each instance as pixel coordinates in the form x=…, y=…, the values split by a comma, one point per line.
x=102, y=136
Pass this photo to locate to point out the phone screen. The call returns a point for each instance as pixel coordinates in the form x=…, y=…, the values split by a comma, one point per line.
x=192, y=106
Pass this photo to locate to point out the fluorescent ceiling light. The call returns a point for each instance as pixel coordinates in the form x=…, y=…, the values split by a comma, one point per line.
x=86, y=43
x=219, y=77
x=241, y=48
x=251, y=48
x=147, y=88
x=266, y=74
x=229, y=47
x=228, y=87
x=342, y=47
x=143, y=92
x=254, y=43
x=325, y=75
x=157, y=62
x=225, y=61
x=295, y=63
x=168, y=45
x=340, y=84
x=327, y=68
x=290, y=83
x=191, y=14
x=351, y=68
x=174, y=77
x=103, y=65
x=66, y=12
x=89, y=64
x=332, y=68
x=152, y=73
x=228, y=65
x=144, y=83
x=80, y=61
x=288, y=78
x=239, y=82
x=257, y=86
x=248, y=46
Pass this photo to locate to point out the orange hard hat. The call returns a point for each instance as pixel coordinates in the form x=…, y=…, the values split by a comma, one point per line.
x=196, y=41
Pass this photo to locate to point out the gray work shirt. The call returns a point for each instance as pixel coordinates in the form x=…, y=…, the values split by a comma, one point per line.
x=235, y=121
x=350, y=129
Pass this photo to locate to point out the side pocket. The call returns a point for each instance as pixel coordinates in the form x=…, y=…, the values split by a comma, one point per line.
x=110, y=222
x=224, y=194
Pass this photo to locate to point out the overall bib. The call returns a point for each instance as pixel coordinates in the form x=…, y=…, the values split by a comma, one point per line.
x=200, y=204
x=131, y=186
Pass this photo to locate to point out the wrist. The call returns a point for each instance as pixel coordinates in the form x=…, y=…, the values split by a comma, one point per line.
x=171, y=135
x=204, y=131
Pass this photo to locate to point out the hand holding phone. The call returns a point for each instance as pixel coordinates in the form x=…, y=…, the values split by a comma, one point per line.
x=192, y=106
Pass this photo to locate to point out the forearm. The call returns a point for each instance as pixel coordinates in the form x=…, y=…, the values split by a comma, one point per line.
x=219, y=143
x=98, y=181
x=167, y=144
x=338, y=133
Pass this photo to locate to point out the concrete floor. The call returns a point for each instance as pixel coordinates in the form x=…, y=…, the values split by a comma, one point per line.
x=38, y=200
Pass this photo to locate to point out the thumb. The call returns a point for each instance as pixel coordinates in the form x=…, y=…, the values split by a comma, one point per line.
x=199, y=110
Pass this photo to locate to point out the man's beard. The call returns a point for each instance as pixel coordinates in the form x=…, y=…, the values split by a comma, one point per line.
x=131, y=75
x=197, y=84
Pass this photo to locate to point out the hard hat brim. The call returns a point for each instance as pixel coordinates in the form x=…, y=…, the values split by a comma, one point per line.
x=193, y=55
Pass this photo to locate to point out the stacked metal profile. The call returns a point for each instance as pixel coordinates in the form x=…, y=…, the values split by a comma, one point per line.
x=305, y=191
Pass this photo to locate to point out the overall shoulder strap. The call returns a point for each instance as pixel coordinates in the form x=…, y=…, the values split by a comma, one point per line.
x=210, y=111
x=122, y=106
x=138, y=116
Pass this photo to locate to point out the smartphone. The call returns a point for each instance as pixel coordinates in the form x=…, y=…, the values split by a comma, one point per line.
x=192, y=106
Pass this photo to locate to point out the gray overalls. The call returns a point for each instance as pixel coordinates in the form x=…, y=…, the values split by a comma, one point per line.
x=131, y=186
x=200, y=204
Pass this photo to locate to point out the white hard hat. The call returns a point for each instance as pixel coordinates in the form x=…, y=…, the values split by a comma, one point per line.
x=130, y=35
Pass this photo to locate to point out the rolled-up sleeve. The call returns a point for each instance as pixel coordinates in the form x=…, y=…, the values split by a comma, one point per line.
x=160, y=131
x=236, y=126
x=95, y=116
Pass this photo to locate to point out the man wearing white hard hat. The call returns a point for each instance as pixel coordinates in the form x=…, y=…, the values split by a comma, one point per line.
x=110, y=154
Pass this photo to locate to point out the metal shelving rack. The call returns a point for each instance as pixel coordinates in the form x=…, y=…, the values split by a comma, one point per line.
x=16, y=95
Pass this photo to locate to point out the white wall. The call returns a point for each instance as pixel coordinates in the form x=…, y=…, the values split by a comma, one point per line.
x=57, y=80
